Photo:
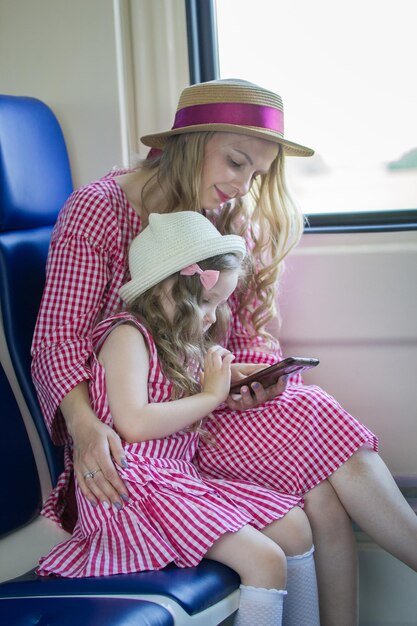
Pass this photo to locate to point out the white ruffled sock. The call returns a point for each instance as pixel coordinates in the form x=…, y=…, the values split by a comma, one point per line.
x=259, y=607
x=301, y=606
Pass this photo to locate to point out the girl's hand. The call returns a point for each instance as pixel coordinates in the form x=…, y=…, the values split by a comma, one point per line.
x=217, y=373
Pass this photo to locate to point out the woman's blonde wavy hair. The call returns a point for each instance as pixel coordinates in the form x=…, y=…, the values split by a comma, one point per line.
x=267, y=218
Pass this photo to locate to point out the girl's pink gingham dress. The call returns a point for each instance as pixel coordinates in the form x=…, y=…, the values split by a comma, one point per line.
x=291, y=443
x=172, y=514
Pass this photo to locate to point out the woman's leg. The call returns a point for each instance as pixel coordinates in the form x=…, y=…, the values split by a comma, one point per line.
x=370, y=495
x=261, y=564
x=335, y=556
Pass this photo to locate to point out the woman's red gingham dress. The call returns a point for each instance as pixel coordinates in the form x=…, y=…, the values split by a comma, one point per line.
x=172, y=514
x=291, y=443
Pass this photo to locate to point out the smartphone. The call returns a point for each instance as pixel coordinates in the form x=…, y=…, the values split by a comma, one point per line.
x=269, y=376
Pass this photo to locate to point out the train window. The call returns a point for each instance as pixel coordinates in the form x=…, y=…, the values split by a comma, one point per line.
x=346, y=74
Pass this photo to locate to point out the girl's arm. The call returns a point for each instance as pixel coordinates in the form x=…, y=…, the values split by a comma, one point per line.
x=125, y=359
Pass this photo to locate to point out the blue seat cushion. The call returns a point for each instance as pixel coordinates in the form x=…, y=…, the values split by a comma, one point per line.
x=193, y=588
x=85, y=611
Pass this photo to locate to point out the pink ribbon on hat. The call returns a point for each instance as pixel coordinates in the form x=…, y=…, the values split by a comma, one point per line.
x=240, y=113
x=208, y=277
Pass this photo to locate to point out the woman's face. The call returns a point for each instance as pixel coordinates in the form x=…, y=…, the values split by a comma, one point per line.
x=231, y=163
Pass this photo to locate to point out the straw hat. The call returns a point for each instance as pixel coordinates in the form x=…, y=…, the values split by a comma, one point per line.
x=170, y=243
x=233, y=106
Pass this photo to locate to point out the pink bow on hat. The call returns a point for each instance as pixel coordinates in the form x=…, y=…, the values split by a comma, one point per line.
x=208, y=277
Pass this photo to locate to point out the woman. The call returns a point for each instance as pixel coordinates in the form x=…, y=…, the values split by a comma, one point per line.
x=224, y=156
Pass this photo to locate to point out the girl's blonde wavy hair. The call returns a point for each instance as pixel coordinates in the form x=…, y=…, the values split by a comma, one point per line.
x=180, y=342
x=267, y=217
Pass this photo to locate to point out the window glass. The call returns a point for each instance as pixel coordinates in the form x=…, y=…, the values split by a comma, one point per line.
x=347, y=76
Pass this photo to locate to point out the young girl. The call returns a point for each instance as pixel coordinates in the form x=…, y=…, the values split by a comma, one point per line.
x=155, y=378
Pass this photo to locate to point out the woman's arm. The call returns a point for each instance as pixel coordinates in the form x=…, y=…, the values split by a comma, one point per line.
x=94, y=445
x=246, y=399
x=125, y=359
x=252, y=353
x=85, y=268
x=62, y=339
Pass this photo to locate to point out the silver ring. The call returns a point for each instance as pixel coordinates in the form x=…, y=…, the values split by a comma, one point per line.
x=92, y=474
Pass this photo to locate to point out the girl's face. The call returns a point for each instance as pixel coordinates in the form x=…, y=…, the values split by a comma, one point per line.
x=231, y=163
x=217, y=295
x=210, y=298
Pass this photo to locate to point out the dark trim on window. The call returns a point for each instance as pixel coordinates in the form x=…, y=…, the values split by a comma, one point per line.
x=371, y=221
x=203, y=56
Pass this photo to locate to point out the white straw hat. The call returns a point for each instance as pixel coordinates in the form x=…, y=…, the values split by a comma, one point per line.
x=233, y=106
x=170, y=243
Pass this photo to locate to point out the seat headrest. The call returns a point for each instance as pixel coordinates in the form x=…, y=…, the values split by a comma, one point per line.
x=35, y=174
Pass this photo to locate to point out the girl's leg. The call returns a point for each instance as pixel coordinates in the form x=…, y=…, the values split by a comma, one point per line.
x=258, y=560
x=261, y=564
x=335, y=556
x=370, y=495
x=302, y=603
x=260, y=607
x=293, y=534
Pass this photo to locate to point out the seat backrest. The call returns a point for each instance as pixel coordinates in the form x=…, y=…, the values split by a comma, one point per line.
x=35, y=175
x=22, y=492
x=35, y=181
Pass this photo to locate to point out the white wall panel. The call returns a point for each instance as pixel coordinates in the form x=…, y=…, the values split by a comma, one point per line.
x=64, y=54
x=111, y=70
x=351, y=300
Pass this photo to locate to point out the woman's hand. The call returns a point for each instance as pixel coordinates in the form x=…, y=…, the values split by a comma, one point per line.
x=239, y=371
x=97, y=448
x=246, y=400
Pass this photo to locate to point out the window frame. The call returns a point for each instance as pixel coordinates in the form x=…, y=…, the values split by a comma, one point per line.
x=203, y=55
x=362, y=221
x=203, y=51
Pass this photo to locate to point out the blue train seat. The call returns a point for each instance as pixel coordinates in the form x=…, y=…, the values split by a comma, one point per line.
x=35, y=180
x=86, y=611
x=16, y=457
